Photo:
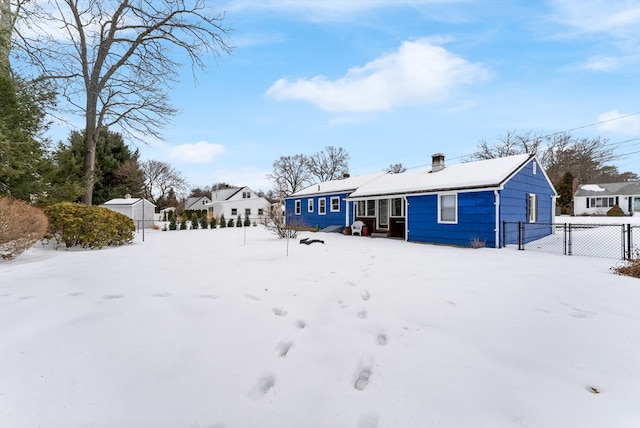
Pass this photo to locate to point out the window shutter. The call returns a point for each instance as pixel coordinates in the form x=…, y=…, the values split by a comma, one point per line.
x=587, y=202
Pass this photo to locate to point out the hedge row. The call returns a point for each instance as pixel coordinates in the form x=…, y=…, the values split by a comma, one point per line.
x=85, y=226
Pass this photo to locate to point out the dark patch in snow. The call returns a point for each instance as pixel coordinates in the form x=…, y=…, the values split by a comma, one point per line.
x=364, y=294
x=301, y=324
x=279, y=312
x=113, y=296
x=283, y=348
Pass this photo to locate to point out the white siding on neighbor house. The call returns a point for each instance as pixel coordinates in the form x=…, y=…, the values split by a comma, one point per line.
x=133, y=209
x=240, y=200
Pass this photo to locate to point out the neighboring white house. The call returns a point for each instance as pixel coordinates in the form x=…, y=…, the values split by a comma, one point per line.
x=139, y=210
x=237, y=201
x=597, y=199
x=197, y=203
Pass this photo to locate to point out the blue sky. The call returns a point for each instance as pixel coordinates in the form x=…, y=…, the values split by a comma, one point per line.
x=395, y=81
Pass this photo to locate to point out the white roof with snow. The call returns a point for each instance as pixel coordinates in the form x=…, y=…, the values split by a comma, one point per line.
x=485, y=173
x=337, y=186
x=593, y=188
x=125, y=201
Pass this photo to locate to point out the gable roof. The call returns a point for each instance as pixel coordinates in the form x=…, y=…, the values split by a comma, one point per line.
x=338, y=186
x=224, y=194
x=628, y=188
x=471, y=175
x=193, y=201
x=126, y=201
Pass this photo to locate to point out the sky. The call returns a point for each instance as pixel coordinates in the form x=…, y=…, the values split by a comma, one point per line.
x=353, y=333
x=396, y=81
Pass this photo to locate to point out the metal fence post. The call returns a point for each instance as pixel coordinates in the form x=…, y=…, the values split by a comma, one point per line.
x=564, y=240
x=627, y=251
x=520, y=236
x=569, y=241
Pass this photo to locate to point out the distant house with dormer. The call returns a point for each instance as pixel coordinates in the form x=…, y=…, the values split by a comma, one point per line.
x=236, y=201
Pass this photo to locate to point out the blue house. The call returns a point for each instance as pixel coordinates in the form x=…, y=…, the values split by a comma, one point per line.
x=324, y=204
x=455, y=205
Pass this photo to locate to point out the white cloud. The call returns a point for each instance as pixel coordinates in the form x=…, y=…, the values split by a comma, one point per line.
x=603, y=63
x=623, y=123
x=200, y=152
x=419, y=72
x=618, y=18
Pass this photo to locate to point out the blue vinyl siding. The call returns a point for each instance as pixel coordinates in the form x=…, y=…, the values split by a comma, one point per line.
x=313, y=219
x=513, y=203
x=476, y=219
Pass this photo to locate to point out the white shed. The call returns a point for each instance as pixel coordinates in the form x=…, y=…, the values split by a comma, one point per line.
x=139, y=210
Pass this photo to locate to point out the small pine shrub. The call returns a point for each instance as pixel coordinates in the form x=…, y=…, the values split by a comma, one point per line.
x=21, y=226
x=230, y=223
x=223, y=221
x=239, y=221
x=183, y=225
x=172, y=223
x=247, y=221
x=79, y=225
x=615, y=211
x=213, y=223
x=203, y=222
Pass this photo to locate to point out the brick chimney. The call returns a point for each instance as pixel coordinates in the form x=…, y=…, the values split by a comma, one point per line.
x=437, y=162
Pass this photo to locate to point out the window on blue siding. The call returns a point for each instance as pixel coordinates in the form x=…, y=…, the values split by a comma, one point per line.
x=298, y=206
x=310, y=205
x=397, y=207
x=335, y=204
x=448, y=208
x=532, y=208
x=322, y=206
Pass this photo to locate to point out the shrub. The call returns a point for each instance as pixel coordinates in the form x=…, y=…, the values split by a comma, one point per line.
x=183, y=225
x=213, y=223
x=230, y=223
x=239, y=222
x=223, y=221
x=85, y=226
x=21, y=226
x=247, y=221
x=477, y=243
x=631, y=267
x=172, y=223
x=203, y=222
x=276, y=223
x=615, y=211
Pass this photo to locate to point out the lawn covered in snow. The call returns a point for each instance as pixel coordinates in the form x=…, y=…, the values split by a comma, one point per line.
x=221, y=328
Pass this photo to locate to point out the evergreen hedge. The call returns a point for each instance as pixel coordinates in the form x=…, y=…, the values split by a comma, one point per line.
x=79, y=225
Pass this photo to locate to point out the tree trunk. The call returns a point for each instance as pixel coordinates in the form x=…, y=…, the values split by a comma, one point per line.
x=92, y=129
x=6, y=30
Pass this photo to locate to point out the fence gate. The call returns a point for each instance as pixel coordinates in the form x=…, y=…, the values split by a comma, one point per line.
x=596, y=240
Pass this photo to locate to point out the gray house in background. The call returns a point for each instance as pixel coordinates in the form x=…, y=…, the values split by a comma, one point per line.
x=139, y=210
x=196, y=203
x=597, y=199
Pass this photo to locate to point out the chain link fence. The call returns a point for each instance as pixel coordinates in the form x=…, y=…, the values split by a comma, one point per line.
x=616, y=241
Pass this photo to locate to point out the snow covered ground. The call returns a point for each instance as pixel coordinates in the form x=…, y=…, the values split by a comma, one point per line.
x=204, y=329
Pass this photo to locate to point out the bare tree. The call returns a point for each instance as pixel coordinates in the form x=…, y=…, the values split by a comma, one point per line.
x=330, y=164
x=396, y=168
x=290, y=174
x=160, y=178
x=560, y=153
x=112, y=59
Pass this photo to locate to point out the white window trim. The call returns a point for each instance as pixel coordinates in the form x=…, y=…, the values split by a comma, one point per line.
x=322, y=206
x=297, y=206
x=310, y=205
x=333, y=198
x=532, y=208
x=440, y=220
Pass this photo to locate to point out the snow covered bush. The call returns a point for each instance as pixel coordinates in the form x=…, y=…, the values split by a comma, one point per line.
x=79, y=225
x=21, y=226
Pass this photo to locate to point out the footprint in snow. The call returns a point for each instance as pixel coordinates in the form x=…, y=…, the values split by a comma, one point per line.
x=279, y=312
x=364, y=294
x=381, y=339
x=113, y=296
x=363, y=373
x=283, y=348
x=362, y=314
x=162, y=295
x=263, y=386
x=301, y=324
x=208, y=296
